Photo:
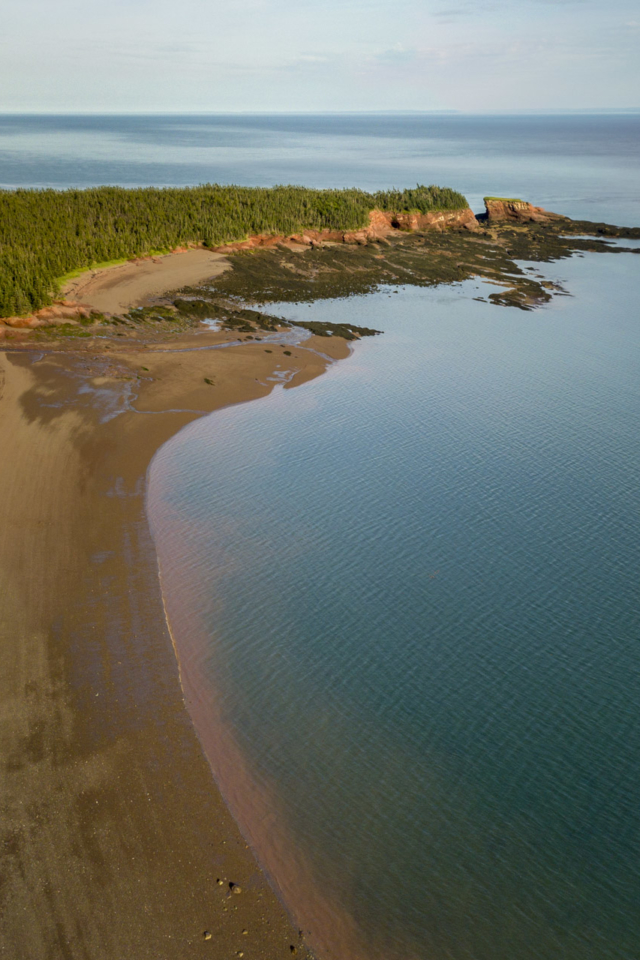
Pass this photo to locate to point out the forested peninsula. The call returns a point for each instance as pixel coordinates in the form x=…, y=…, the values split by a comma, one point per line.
x=47, y=234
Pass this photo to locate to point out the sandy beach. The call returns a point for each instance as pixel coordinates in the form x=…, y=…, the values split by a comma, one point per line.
x=131, y=284
x=115, y=841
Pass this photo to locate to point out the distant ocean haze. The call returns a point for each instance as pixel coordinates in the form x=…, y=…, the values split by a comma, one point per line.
x=584, y=166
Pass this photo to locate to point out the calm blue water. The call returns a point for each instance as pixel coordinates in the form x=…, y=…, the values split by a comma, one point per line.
x=419, y=580
x=583, y=166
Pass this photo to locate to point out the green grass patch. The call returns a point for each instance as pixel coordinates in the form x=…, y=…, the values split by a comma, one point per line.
x=66, y=330
x=505, y=199
x=60, y=282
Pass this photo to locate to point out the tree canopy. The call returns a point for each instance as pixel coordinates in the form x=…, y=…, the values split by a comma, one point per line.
x=46, y=234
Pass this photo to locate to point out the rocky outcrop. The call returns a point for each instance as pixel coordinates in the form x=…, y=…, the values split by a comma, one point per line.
x=518, y=211
x=381, y=225
x=309, y=238
x=59, y=312
x=441, y=220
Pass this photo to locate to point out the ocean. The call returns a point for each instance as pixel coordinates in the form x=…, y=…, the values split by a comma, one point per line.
x=405, y=595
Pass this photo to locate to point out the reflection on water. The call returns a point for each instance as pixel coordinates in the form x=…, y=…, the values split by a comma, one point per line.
x=407, y=592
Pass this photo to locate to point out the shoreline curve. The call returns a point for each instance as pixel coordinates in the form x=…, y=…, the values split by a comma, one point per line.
x=116, y=839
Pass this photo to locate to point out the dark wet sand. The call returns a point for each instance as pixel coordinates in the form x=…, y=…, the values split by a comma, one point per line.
x=113, y=835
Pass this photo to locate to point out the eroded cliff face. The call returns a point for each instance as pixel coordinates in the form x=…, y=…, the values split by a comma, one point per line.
x=381, y=224
x=434, y=221
x=60, y=312
x=518, y=211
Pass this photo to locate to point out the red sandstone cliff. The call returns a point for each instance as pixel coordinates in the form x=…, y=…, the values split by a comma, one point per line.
x=381, y=224
x=434, y=221
x=519, y=211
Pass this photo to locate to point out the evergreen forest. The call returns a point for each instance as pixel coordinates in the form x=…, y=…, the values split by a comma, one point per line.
x=47, y=234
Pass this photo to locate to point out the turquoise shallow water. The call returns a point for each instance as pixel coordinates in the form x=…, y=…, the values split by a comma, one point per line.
x=414, y=588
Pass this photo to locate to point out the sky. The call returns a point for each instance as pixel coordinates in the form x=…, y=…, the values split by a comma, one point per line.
x=210, y=56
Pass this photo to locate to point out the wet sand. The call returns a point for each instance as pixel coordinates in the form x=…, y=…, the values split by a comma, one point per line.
x=132, y=284
x=114, y=840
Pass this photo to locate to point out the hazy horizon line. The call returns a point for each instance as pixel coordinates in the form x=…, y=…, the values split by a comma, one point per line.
x=542, y=111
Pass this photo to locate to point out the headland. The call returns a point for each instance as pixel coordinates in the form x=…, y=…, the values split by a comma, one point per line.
x=116, y=842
